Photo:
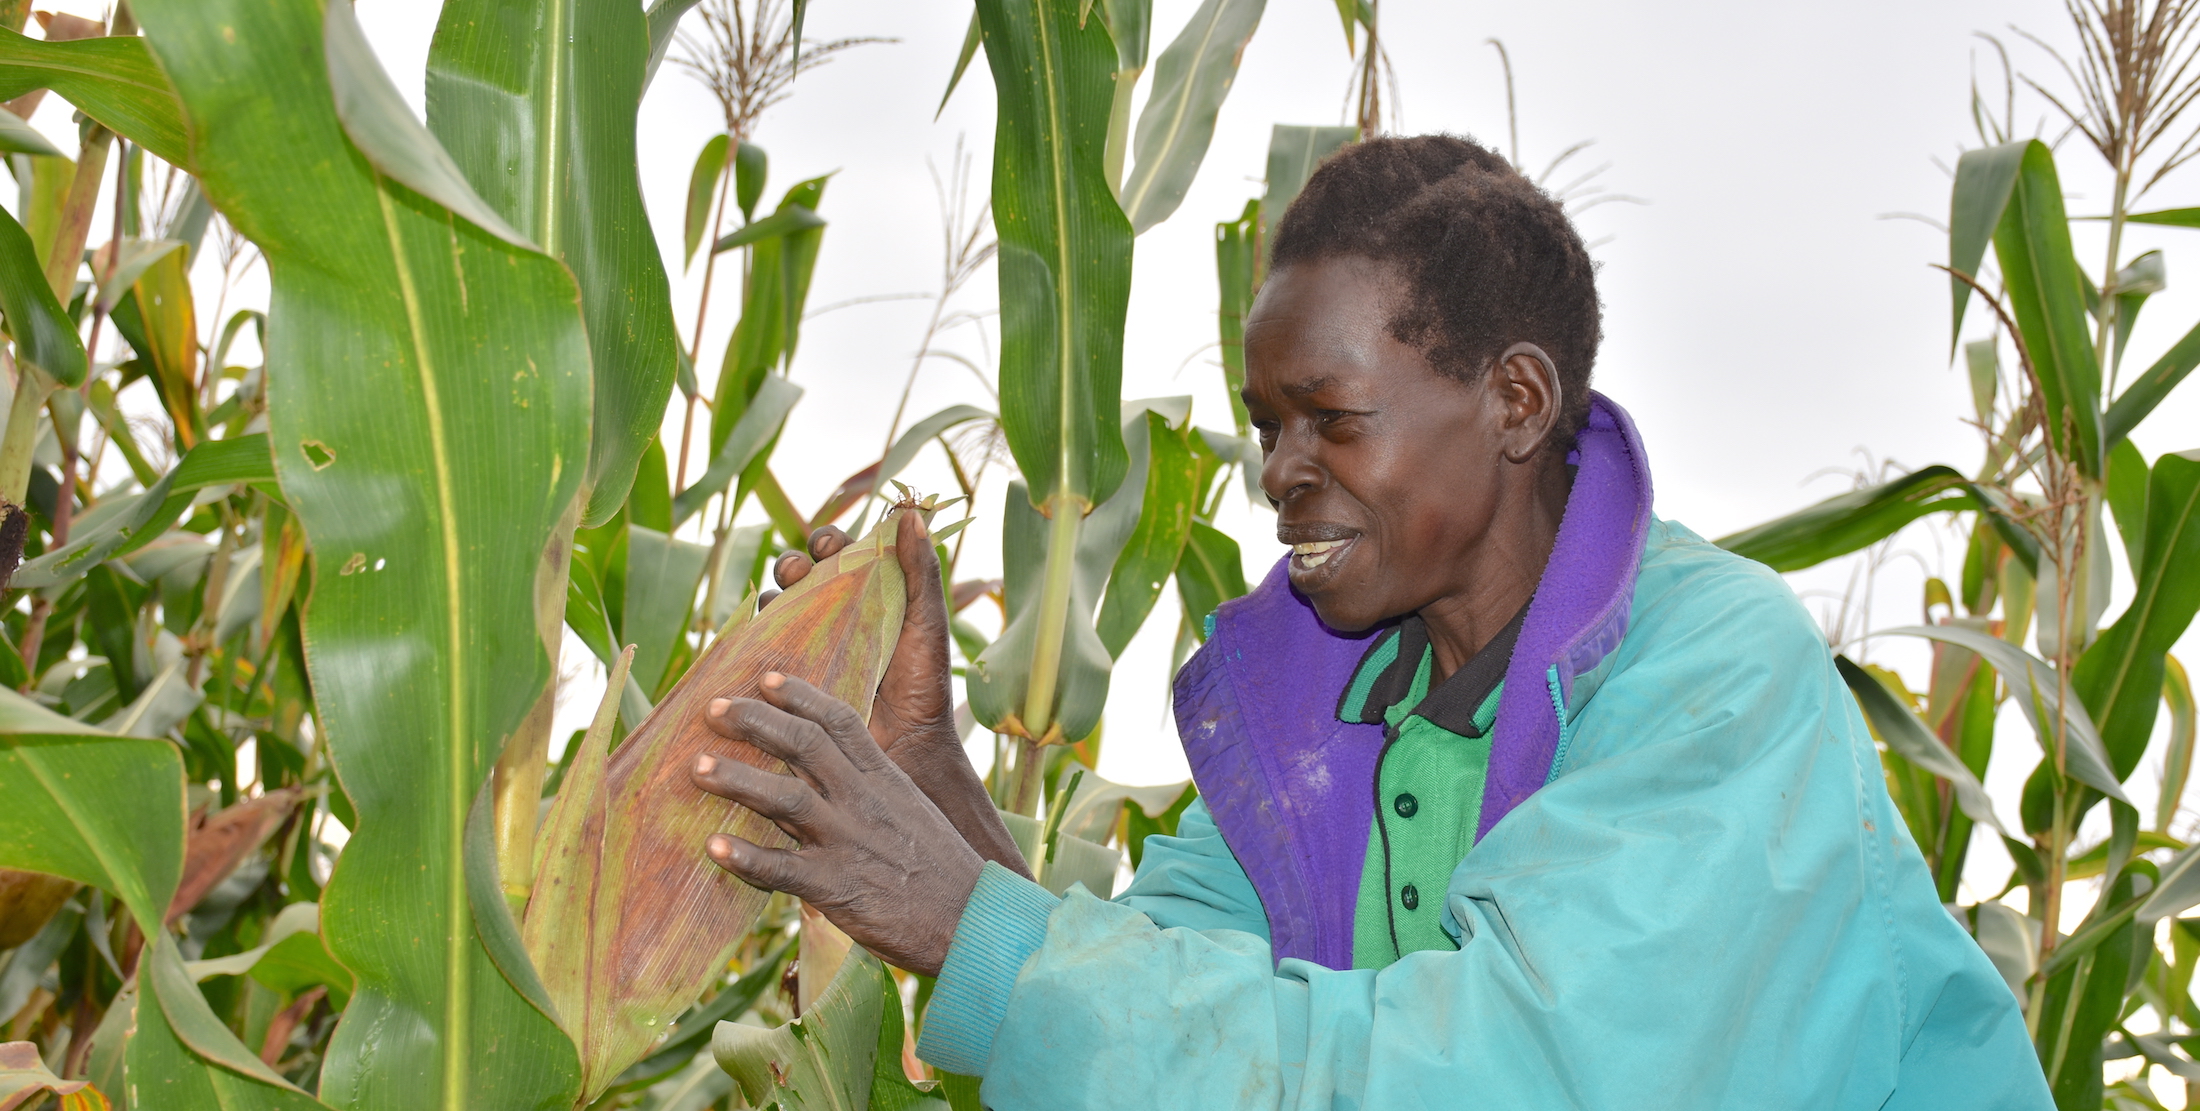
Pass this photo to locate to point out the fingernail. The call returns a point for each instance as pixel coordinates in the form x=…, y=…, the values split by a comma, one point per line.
x=773, y=681
x=719, y=706
x=719, y=845
x=706, y=764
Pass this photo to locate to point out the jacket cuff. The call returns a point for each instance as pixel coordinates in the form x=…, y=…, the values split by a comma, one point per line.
x=1004, y=923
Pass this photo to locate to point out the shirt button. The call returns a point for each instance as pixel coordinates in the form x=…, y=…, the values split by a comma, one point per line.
x=1406, y=805
x=1409, y=897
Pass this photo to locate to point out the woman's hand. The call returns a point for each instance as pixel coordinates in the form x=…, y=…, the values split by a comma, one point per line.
x=875, y=855
x=913, y=716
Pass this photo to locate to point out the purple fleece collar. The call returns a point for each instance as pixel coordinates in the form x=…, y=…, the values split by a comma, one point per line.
x=1290, y=786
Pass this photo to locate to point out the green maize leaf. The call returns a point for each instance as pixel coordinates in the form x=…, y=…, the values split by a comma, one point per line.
x=113, y=80
x=664, y=19
x=663, y=573
x=123, y=524
x=1130, y=28
x=1000, y=679
x=1846, y=522
x=181, y=1057
x=81, y=803
x=2084, y=997
x=710, y=169
x=750, y=167
x=186, y=1014
x=1157, y=542
x=1211, y=573
x=299, y=962
x=971, y=39
x=45, y=336
x=822, y=1061
x=383, y=128
x=1983, y=361
x=2151, y=387
x=649, y=504
x=771, y=316
x=108, y=811
x=128, y=522
x=1065, y=250
x=2047, y=299
x=2126, y=490
x=751, y=433
x=1189, y=84
x=136, y=256
x=1294, y=153
x=537, y=102
x=1984, y=180
x=2177, y=756
x=1355, y=14
x=17, y=136
x=2168, y=217
x=912, y=441
x=101, y=401
x=2086, y=757
x=41, y=200
x=2141, y=278
x=1237, y=267
x=2120, y=676
x=432, y=434
x=2180, y=889
x=786, y=221
x=629, y=921
x=1908, y=737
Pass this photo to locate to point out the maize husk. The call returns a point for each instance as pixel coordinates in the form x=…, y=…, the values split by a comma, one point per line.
x=629, y=921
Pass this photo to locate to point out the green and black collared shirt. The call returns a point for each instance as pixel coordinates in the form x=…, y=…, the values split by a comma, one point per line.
x=1428, y=784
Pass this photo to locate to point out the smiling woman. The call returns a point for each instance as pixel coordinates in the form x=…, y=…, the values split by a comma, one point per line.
x=1507, y=785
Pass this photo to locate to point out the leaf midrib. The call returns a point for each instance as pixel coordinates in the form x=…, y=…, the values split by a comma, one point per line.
x=1141, y=178
x=457, y=962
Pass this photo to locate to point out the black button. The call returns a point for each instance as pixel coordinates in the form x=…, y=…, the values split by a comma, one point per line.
x=1410, y=897
x=1406, y=805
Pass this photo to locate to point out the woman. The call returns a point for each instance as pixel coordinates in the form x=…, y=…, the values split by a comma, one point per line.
x=1511, y=793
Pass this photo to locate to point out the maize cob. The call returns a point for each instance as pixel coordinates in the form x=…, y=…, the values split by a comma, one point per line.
x=629, y=921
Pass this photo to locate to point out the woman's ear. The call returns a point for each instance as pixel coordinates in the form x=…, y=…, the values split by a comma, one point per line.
x=1527, y=385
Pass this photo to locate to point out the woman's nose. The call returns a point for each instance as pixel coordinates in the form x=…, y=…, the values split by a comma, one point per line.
x=1290, y=468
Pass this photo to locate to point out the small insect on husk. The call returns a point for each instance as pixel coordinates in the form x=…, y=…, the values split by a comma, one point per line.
x=629, y=921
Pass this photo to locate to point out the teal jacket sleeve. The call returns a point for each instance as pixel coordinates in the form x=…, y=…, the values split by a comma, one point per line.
x=1712, y=905
x=1193, y=881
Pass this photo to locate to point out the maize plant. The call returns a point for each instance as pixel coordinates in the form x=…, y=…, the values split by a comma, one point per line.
x=282, y=821
x=2095, y=950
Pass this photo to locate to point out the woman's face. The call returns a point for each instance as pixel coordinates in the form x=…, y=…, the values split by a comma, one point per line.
x=1386, y=474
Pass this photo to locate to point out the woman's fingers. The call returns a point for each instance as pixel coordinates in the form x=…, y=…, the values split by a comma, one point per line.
x=827, y=540
x=759, y=867
x=791, y=804
x=790, y=568
x=802, y=743
x=839, y=720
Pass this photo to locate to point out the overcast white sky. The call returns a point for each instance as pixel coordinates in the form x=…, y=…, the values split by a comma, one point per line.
x=1767, y=326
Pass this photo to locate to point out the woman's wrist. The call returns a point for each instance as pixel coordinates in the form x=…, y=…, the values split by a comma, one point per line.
x=946, y=777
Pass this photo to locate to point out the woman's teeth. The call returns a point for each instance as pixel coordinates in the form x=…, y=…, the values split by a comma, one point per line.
x=1313, y=555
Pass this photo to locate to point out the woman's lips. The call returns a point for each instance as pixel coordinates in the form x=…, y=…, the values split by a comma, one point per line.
x=1316, y=561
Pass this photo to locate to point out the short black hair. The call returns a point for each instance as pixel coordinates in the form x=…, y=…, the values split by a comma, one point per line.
x=1488, y=259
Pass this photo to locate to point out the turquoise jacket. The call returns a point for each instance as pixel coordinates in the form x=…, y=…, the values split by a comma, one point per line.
x=1706, y=901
